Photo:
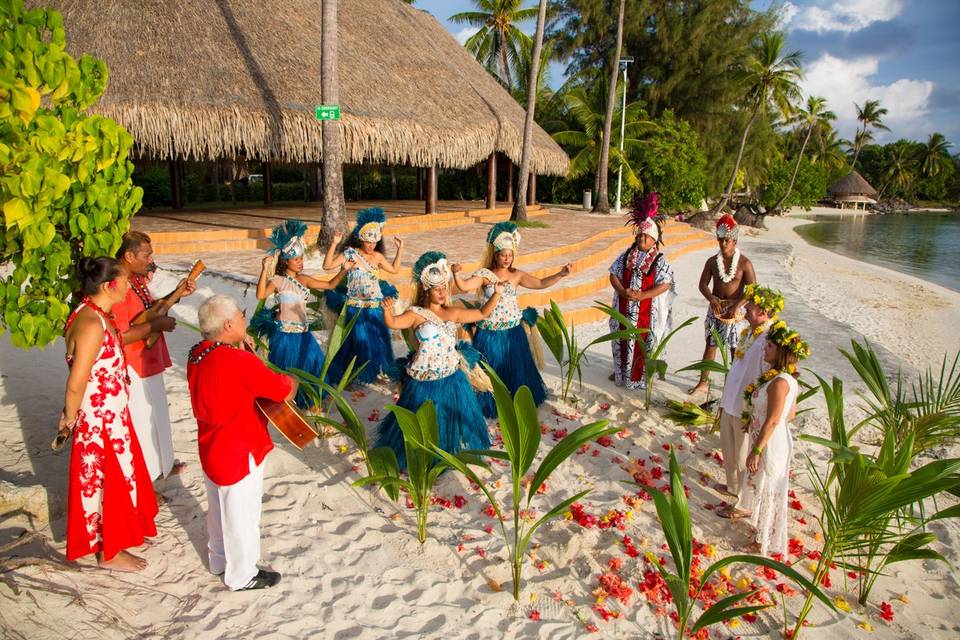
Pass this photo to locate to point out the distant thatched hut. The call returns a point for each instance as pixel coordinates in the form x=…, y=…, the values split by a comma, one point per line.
x=852, y=192
x=239, y=79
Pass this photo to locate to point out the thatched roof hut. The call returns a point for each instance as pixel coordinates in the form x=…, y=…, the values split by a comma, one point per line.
x=210, y=79
x=853, y=184
x=852, y=191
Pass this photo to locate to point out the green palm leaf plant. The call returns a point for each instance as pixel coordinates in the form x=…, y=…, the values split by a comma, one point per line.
x=674, y=514
x=520, y=426
x=865, y=501
x=562, y=343
x=654, y=366
x=421, y=438
x=690, y=413
x=498, y=39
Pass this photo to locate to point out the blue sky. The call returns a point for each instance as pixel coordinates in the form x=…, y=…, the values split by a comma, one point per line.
x=906, y=53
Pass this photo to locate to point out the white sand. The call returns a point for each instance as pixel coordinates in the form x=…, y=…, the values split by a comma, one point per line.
x=350, y=560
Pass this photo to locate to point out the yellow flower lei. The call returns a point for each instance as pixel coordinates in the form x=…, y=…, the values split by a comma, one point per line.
x=741, y=350
x=766, y=377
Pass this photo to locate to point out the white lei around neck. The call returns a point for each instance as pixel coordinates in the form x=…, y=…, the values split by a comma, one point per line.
x=727, y=276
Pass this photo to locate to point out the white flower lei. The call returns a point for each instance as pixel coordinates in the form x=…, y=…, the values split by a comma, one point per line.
x=726, y=276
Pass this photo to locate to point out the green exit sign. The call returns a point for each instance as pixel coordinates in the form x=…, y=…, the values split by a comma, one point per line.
x=328, y=112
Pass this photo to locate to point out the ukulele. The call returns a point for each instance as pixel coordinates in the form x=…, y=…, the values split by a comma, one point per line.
x=285, y=417
x=161, y=308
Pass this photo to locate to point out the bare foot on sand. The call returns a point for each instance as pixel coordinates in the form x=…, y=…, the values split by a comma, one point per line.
x=612, y=377
x=701, y=387
x=178, y=467
x=123, y=561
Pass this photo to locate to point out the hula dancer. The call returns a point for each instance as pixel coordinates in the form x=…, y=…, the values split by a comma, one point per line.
x=435, y=370
x=369, y=341
x=644, y=290
x=285, y=325
x=761, y=311
x=730, y=272
x=508, y=338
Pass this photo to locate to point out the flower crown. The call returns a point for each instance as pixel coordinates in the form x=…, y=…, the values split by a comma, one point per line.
x=770, y=300
x=431, y=270
x=784, y=336
x=504, y=235
x=369, y=227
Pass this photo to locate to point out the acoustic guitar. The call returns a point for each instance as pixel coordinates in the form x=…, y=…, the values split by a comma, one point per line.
x=286, y=418
x=161, y=308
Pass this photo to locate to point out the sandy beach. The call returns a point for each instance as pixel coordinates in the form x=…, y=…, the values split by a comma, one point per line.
x=351, y=563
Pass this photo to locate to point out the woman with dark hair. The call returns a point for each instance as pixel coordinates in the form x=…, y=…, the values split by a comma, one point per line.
x=284, y=325
x=110, y=501
x=369, y=340
x=435, y=369
x=508, y=339
x=770, y=405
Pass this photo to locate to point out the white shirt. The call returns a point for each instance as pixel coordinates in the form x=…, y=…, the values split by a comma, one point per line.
x=742, y=372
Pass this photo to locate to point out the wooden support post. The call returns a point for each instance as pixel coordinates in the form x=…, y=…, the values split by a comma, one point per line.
x=492, y=181
x=509, y=179
x=532, y=189
x=176, y=186
x=431, y=203
x=267, y=184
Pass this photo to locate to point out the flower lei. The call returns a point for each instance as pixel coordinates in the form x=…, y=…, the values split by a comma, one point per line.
x=766, y=377
x=140, y=289
x=756, y=332
x=727, y=276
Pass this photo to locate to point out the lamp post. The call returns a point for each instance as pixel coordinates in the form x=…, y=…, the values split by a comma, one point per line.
x=624, y=62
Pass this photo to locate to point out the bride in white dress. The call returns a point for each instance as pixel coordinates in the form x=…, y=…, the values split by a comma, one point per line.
x=772, y=407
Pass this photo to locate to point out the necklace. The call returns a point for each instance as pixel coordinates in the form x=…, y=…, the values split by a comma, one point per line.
x=727, y=276
x=141, y=290
x=195, y=358
x=741, y=350
x=769, y=375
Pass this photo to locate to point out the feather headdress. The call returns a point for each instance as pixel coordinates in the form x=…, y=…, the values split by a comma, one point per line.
x=369, y=227
x=642, y=216
x=431, y=270
x=504, y=235
x=287, y=239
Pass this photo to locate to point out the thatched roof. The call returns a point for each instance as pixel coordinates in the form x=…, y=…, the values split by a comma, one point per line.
x=852, y=184
x=219, y=78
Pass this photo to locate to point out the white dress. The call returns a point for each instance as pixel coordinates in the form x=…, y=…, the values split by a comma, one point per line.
x=765, y=492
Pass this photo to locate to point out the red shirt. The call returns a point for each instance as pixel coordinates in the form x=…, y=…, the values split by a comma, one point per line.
x=146, y=362
x=223, y=387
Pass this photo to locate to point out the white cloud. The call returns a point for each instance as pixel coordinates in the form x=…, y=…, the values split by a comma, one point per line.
x=464, y=34
x=840, y=15
x=844, y=82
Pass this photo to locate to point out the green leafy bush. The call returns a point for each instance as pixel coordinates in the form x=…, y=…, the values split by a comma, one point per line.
x=65, y=190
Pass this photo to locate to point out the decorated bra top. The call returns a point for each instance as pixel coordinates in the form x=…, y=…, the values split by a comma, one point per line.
x=363, y=281
x=507, y=313
x=436, y=356
x=291, y=299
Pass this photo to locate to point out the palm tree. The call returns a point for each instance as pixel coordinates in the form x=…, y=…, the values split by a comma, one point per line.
x=900, y=170
x=602, y=204
x=871, y=115
x=524, y=66
x=334, y=212
x=827, y=150
x=520, y=203
x=497, y=41
x=771, y=79
x=586, y=110
x=814, y=116
x=935, y=155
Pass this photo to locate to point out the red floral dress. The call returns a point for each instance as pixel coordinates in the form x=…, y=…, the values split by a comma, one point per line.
x=110, y=500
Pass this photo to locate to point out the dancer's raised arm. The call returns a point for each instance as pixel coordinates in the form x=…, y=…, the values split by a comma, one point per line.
x=393, y=267
x=532, y=282
x=472, y=283
x=324, y=285
x=405, y=320
x=332, y=259
x=463, y=316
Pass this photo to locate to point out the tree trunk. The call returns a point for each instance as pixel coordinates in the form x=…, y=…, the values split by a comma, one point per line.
x=856, y=151
x=519, y=212
x=796, y=168
x=736, y=167
x=334, y=213
x=506, y=79
x=602, y=202
x=431, y=203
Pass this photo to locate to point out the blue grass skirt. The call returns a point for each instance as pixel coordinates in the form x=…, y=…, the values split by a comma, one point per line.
x=508, y=352
x=290, y=350
x=462, y=425
x=368, y=341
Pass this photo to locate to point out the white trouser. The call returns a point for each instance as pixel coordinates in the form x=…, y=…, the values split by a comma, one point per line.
x=151, y=421
x=735, y=447
x=233, y=527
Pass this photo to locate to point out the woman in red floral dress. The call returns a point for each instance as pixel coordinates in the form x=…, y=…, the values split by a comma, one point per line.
x=110, y=501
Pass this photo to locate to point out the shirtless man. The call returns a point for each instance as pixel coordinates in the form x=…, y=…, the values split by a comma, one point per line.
x=729, y=272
